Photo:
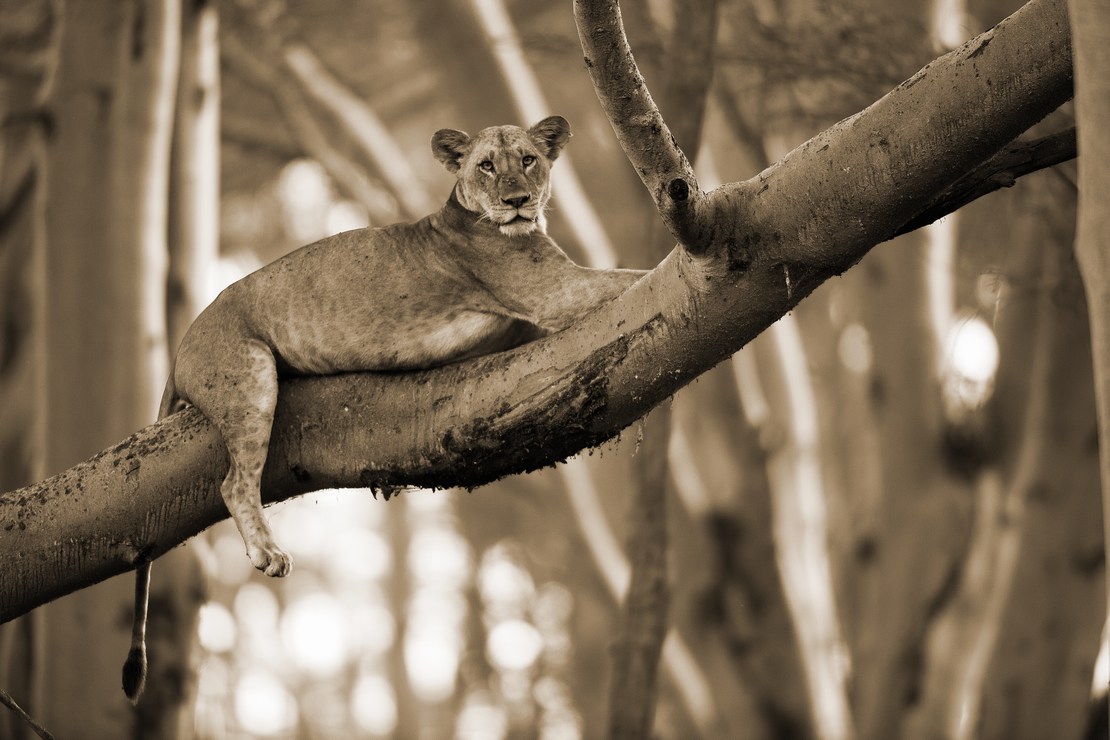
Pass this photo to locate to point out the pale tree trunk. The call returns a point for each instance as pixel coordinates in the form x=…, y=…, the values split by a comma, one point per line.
x=177, y=585
x=910, y=542
x=22, y=293
x=1090, y=24
x=105, y=322
x=194, y=205
x=1037, y=682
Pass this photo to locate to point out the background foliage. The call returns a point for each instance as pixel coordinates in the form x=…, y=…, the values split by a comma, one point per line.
x=882, y=514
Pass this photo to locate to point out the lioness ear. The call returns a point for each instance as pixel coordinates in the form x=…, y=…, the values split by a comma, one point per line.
x=449, y=146
x=550, y=135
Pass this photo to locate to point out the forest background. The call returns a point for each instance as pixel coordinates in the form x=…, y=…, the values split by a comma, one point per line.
x=914, y=447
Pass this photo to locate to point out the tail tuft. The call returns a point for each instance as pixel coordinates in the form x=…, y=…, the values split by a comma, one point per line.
x=134, y=673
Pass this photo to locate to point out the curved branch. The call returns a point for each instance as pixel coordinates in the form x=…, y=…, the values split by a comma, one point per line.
x=640, y=129
x=775, y=239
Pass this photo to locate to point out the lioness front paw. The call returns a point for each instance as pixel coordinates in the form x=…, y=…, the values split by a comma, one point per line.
x=270, y=559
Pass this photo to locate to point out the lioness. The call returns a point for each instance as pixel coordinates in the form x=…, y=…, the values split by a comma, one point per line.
x=479, y=276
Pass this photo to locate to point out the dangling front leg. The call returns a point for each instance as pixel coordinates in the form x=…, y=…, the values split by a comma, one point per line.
x=241, y=405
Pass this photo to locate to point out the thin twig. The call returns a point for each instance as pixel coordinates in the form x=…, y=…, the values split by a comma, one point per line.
x=7, y=700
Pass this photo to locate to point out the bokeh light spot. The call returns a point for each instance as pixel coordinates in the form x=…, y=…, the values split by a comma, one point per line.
x=313, y=631
x=514, y=645
x=374, y=705
x=216, y=628
x=263, y=706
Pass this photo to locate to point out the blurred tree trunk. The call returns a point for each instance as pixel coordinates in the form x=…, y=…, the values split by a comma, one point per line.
x=907, y=546
x=194, y=205
x=105, y=326
x=1038, y=679
x=468, y=68
x=1090, y=24
x=1013, y=654
x=734, y=614
x=177, y=585
x=28, y=50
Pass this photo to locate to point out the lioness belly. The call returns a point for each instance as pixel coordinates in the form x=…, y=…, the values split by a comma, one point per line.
x=388, y=346
x=451, y=340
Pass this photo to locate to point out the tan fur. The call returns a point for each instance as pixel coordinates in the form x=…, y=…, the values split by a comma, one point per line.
x=473, y=278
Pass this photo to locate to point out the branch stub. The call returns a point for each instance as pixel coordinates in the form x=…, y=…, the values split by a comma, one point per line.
x=678, y=189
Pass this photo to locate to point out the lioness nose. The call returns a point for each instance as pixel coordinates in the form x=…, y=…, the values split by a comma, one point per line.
x=516, y=202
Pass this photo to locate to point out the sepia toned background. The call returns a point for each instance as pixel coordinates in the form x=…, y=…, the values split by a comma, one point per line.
x=882, y=516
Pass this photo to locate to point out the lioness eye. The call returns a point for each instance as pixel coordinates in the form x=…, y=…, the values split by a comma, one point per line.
x=528, y=160
x=486, y=166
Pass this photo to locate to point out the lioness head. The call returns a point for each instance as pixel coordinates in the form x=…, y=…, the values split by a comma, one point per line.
x=504, y=173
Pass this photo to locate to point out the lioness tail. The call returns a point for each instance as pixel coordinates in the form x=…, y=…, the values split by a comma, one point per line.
x=134, y=668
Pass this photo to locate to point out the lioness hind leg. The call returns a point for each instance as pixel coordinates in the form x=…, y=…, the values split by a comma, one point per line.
x=241, y=405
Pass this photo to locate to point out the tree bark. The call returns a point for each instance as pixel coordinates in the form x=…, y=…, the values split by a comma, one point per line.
x=773, y=240
x=105, y=318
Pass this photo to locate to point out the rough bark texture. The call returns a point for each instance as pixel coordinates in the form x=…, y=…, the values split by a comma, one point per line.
x=775, y=238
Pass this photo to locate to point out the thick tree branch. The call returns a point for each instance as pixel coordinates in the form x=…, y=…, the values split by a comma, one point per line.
x=775, y=238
